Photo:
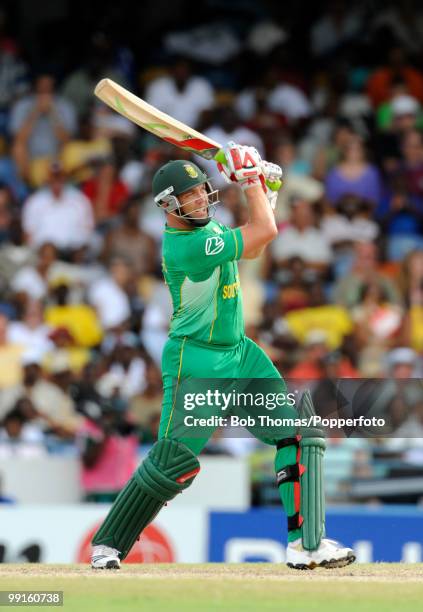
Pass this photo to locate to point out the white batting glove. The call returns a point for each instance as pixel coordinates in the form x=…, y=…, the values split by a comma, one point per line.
x=272, y=174
x=242, y=165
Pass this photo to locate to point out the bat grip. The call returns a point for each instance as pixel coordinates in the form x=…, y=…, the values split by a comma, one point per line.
x=272, y=185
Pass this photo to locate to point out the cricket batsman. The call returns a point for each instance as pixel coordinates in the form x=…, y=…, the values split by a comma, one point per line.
x=207, y=340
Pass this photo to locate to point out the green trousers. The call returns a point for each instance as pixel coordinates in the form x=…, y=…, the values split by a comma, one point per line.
x=185, y=359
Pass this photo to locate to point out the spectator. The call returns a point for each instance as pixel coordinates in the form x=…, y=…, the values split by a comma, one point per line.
x=58, y=213
x=377, y=324
x=127, y=368
x=31, y=331
x=347, y=290
x=109, y=295
x=354, y=175
x=302, y=239
x=80, y=320
x=32, y=281
x=106, y=192
x=10, y=357
x=79, y=85
x=181, y=94
x=41, y=123
x=379, y=83
x=131, y=243
x=280, y=100
x=108, y=447
x=7, y=211
x=146, y=405
x=52, y=410
x=412, y=166
x=20, y=438
x=317, y=355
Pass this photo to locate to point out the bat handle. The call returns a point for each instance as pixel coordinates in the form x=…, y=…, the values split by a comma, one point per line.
x=272, y=185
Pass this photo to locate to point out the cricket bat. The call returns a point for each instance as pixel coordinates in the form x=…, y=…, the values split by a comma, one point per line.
x=155, y=121
x=160, y=124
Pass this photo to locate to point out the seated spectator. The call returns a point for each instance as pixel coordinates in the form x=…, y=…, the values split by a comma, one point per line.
x=410, y=282
x=377, y=324
x=283, y=99
x=350, y=220
x=181, y=94
x=31, y=331
x=53, y=410
x=330, y=318
x=301, y=238
x=131, y=243
x=400, y=215
x=79, y=319
x=32, y=281
x=412, y=166
x=353, y=175
x=387, y=143
x=144, y=406
x=10, y=357
x=379, y=83
x=87, y=148
x=106, y=192
x=13, y=75
x=7, y=213
x=98, y=63
x=58, y=213
x=156, y=320
x=286, y=155
x=109, y=454
x=317, y=355
x=109, y=295
x=127, y=368
x=347, y=290
x=40, y=123
x=19, y=437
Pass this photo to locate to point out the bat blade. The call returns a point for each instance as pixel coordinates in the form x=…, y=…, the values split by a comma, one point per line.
x=155, y=121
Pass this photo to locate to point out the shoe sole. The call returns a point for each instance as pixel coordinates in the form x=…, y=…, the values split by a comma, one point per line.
x=110, y=565
x=331, y=564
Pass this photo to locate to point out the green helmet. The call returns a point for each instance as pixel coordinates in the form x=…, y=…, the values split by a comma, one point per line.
x=177, y=177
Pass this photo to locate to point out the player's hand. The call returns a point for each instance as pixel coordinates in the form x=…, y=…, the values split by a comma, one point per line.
x=240, y=164
x=272, y=174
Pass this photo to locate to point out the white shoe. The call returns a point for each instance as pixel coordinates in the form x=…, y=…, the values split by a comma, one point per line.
x=330, y=554
x=104, y=557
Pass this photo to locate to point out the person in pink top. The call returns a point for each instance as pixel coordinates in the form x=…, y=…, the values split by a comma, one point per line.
x=109, y=455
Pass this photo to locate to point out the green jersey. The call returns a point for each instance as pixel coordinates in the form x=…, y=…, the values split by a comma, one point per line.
x=200, y=269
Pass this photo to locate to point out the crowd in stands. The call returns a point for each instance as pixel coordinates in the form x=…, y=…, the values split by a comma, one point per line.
x=84, y=311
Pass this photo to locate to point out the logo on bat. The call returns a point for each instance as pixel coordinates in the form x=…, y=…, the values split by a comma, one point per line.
x=214, y=245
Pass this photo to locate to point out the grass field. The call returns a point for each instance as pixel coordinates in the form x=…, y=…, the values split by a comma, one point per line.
x=206, y=587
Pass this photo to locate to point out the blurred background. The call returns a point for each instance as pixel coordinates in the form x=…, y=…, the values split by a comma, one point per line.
x=334, y=94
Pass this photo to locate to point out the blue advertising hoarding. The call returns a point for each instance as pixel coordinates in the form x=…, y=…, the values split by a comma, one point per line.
x=393, y=533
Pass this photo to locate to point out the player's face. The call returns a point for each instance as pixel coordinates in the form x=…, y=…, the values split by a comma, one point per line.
x=195, y=203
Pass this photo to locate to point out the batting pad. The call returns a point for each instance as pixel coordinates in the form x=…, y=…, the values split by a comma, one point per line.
x=169, y=468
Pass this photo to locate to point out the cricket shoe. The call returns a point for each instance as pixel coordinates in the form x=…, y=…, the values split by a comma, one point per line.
x=104, y=557
x=330, y=554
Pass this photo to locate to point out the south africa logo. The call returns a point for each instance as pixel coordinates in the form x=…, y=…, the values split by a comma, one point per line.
x=191, y=170
x=214, y=245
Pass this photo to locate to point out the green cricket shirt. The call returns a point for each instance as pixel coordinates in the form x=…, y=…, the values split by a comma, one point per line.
x=200, y=269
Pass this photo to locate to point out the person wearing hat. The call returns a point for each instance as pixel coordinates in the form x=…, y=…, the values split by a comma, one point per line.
x=207, y=339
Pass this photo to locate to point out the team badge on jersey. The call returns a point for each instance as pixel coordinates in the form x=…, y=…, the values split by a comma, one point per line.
x=191, y=170
x=214, y=245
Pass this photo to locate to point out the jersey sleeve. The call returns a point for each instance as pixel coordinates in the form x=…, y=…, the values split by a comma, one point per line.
x=204, y=251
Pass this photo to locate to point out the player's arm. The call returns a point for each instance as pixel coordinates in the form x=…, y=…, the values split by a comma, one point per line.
x=244, y=166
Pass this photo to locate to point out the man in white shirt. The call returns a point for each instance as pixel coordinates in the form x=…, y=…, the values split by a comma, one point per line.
x=302, y=239
x=181, y=94
x=58, y=213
